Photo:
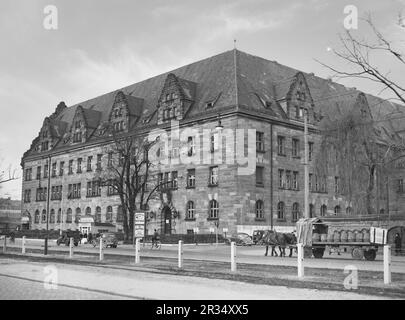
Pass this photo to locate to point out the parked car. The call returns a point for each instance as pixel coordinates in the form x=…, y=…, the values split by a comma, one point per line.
x=257, y=235
x=109, y=240
x=65, y=238
x=241, y=239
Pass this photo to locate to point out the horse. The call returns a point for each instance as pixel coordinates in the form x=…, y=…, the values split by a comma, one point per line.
x=282, y=240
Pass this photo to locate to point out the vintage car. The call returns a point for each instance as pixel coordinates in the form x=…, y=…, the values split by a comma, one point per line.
x=109, y=240
x=240, y=239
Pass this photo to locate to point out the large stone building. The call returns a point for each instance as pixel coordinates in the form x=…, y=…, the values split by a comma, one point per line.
x=245, y=93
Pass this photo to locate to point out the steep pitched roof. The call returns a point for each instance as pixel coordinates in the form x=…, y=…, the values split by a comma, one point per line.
x=230, y=77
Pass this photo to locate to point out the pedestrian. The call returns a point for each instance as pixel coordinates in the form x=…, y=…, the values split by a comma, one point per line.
x=89, y=237
x=398, y=244
x=155, y=237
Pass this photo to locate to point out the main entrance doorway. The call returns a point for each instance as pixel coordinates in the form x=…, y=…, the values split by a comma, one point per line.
x=167, y=220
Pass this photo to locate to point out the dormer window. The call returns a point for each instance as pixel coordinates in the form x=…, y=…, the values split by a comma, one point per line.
x=118, y=126
x=44, y=146
x=78, y=124
x=45, y=134
x=210, y=105
x=77, y=137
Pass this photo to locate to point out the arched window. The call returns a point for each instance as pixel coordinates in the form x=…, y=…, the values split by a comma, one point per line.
x=259, y=210
x=44, y=215
x=59, y=217
x=52, y=216
x=281, y=211
x=214, y=209
x=98, y=214
x=324, y=209
x=36, y=216
x=109, y=214
x=337, y=210
x=349, y=210
x=295, y=211
x=69, y=216
x=78, y=214
x=120, y=215
x=311, y=210
x=190, y=210
x=88, y=211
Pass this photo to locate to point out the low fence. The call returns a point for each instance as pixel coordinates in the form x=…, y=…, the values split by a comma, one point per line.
x=186, y=238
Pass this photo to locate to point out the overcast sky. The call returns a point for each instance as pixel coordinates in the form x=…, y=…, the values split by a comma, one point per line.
x=101, y=46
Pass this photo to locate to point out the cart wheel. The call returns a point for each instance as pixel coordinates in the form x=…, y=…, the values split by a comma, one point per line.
x=370, y=254
x=318, y=252
x=357, y=253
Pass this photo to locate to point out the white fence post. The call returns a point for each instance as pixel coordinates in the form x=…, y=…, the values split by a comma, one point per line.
x=300, y=260
x=233, y=256
x=71, y=248
x=180, y=254
x=387, y=264
x=101, y=249
x=5, y=244
x=23, y=245
x=137, y=249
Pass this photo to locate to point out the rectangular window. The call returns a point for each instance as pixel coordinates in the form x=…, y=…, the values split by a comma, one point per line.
x=61, y=167
x=295, y=180
x=89, y=160
x=281, y=145
x=99, y=157
x=259, y=141
x=46, y=169
x=56, y=193
x=295, y=148
x=259, y=176
x=93, y=188
x=191, y=178
x=77, y=137
x=310, y=184
x=41, y=194
x=74, y=191
x=213, y=176
x=337, y=182
x=79, y=165
x=288, y=179
x=54, y=169
x=310, y=150
x=28, y=174
x=70, y=167
x=281, y=178
x=174, y=179
x=38, y=173
x=27, y=195
x=191, y=146
x=110, y=160
x=400, y=185
x=111, y=189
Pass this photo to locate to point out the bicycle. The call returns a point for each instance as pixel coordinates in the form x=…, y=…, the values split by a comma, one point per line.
x=156, y=244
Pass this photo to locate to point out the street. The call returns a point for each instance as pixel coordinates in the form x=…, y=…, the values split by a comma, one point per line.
x=253, y=254
x=31, y=280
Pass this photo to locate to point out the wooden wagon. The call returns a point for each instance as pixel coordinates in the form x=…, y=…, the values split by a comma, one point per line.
x=316, y=235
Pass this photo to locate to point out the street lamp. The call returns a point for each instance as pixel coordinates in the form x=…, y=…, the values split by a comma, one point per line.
x=47, y=206
x=219, y=125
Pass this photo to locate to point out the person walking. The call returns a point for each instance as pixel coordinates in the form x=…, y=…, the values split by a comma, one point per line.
x=398, y=244
x=155, y=238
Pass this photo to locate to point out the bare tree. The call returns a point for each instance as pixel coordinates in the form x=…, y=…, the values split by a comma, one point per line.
x=8, y=174
x=358, y=55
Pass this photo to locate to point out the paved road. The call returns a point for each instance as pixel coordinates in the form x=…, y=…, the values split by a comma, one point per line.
x=25, y=280
x=254, y=254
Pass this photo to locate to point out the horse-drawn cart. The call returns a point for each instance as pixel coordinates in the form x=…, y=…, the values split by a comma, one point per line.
x=316, y=236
